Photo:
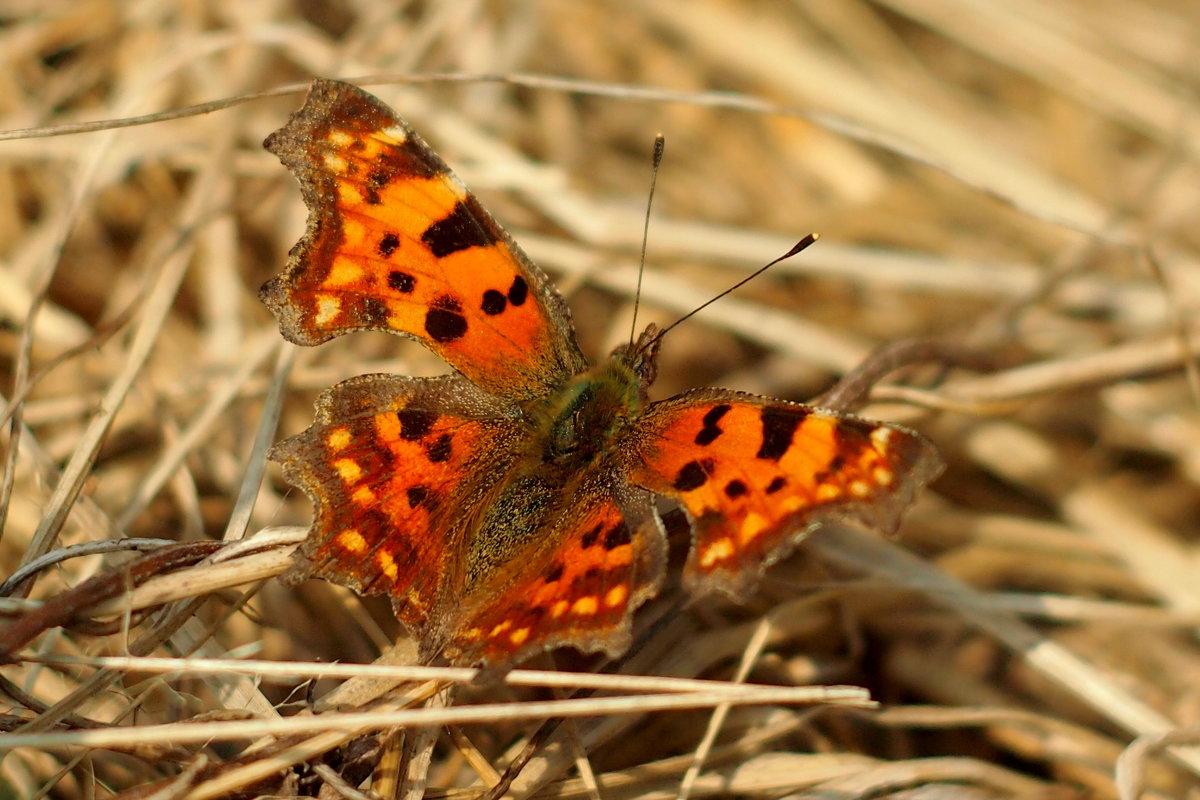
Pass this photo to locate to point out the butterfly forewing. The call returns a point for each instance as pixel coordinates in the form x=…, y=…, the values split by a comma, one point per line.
x=396, y=243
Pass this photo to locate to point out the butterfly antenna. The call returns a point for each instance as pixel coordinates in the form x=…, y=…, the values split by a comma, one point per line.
x=660, y=143
x=796, y=248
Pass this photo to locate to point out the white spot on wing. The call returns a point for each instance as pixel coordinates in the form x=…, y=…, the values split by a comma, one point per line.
x=394, y=135
x=334, y=163
x=327, y=309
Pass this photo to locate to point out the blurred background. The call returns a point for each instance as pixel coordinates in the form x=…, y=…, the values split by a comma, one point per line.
x=1019, y=177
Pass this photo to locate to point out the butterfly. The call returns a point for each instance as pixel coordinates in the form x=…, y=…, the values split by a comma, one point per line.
x=509, y=508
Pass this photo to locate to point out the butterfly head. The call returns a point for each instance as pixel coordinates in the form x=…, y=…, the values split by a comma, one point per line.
x=641, y=357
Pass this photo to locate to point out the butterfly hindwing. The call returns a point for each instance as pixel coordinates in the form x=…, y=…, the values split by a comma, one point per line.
x=592, y=566
x=395, y=242
x=755, y=474
x=388, y=463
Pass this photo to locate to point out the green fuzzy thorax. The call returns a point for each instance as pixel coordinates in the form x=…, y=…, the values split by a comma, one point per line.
x=583, y=419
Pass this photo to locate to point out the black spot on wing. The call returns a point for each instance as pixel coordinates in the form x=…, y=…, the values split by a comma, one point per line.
x=590, y=537
x=401, y=281
x=378, y=178
x=714, y=415
x=778, y=426
x=493, y=303
x=388, y=244
x=444, y=321
x=554, y=574
x=618, y=535
x=710, y=429
x=735, y=489
x=461, y=229
x=439, y=449
x=518, y=292
x=415, y=423
x=417, y=496
x=776, y=484
x=693, y=475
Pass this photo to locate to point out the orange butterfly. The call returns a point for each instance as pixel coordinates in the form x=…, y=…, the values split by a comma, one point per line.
x=508, y=508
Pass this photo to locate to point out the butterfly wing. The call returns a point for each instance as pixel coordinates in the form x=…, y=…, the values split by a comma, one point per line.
x=395, y=242
x=756, y=474
x=390, y=463
x=599, y=555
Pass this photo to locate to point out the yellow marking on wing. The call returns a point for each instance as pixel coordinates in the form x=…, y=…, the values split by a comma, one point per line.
x=827, y=491
x=340, y=139
x=387, y=564
x=881, y=437
x=500, y=628
x=883, y=476
x=414, y=202
x=344, y=273
x=327, y=309
x=363, y=496
x=753, y=525
x=585, y=606
x=792, y=503
x=716, y=551
x=519, y=636
x=348, y=469
x=351, y=195
x=351, y=540
x=338, y=439
x=860, y=489
x=616, y=596
x=701, y=501
x=619, y=556
x=559, y=608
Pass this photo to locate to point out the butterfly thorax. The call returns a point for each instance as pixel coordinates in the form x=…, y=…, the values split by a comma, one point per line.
x=574, y=442
x=577, y=423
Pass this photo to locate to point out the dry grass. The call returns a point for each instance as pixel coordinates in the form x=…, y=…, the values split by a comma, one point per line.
x=1019, y=176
